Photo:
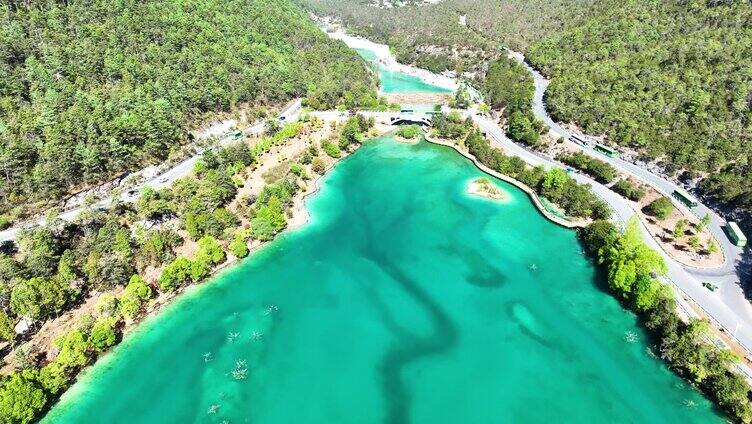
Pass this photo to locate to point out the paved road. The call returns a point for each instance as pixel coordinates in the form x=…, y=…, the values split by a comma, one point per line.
x=730, y=315
x=714, y=305
x=165, y=179
x=666, y=187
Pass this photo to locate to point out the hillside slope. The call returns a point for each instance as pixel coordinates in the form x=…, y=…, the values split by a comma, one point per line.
x=434, y=37
x=92, y=88
x=672, y=79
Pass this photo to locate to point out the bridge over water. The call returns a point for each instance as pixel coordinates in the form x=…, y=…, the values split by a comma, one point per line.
x=411, y=118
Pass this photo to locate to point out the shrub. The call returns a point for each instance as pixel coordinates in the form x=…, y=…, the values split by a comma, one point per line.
x=199, y=270
x=239, y=245
x=318, y=165
x=353, y=130
x=21, y=398
x=213, y=223
x=299, y=170
x=7, y=332
x=597, y=235
x=269, y=220
x=521, y=128
x=74, y=350
x=660, y=208
x=107, y=304
x=306, y=157
x=175, y=274
x=209, y=251
x=4, y=222
x=601, y=171
x=103, y=334
x=629, y=190
x=331, y=149
x=132, y=299
x=409, y=132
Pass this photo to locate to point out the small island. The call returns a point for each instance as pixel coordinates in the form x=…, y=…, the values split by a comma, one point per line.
x=409, y=134
x=485, y=188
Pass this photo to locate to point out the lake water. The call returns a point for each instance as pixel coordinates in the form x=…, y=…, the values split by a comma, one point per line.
x=399, y=82
x=403, y=300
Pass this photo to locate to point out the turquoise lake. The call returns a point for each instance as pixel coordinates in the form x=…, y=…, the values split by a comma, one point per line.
x=404, y=299
x=399, y=82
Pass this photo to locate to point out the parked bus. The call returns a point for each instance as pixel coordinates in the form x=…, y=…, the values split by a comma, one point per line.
x=735, y=234
x=606, y=151
x=685, y=198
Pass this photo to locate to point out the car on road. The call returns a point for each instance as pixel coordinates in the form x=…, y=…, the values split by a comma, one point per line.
x=710, y=286
x=31, y=227
x=282, y=118
x=162, y=180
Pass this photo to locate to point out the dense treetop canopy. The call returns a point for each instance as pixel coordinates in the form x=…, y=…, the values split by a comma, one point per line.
x=670, y=78
x=92, y=88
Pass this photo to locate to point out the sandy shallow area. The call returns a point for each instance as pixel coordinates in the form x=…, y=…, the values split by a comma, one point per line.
x=485, y=189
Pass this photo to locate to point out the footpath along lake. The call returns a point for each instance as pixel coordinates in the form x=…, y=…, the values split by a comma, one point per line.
x=403, y=300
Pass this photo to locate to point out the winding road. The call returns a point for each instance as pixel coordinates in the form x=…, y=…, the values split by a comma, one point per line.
x=728, y=305
x=163, y=180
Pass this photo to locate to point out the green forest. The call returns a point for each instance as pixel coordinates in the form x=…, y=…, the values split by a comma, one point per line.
x=672, y=79
x=631, y=269
x=91, y=89
x=433, y=37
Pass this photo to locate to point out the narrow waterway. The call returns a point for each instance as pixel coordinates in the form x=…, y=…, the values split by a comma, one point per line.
x=394, y=82
x=403, y=300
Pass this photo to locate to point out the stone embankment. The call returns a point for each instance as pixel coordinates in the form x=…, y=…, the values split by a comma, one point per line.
x=529, y=191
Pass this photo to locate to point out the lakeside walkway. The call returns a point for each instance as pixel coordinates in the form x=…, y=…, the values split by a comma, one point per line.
x=531, y=194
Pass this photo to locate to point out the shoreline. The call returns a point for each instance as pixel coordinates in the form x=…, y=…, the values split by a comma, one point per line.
x=400, y=139
x=388, y=62
x=530, y=193
x=164, y=303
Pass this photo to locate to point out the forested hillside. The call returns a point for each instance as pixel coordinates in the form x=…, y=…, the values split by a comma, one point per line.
x=428, y=35
x=92, y=88
x=670, y=78
x=433, y=37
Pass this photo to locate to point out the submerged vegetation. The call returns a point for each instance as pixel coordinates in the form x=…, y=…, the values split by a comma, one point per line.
x=56, y=267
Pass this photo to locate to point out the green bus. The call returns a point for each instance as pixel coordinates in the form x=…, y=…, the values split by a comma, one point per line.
x=735, y=234
x=606, y=151
x=685, y=198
